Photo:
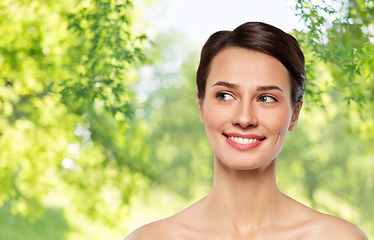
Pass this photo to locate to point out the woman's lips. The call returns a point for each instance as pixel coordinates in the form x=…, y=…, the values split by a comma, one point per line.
x=243, y=141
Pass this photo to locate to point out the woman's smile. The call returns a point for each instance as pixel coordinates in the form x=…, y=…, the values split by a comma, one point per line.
x=247, y=108
x=243, y=141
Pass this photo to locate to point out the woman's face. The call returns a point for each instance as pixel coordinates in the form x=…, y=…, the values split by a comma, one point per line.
x=247, y=109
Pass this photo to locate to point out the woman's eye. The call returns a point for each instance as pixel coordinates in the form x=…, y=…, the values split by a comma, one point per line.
x=224, y=96
x=267, y=99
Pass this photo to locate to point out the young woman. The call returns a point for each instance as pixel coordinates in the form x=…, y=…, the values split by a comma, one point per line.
x=250, y=83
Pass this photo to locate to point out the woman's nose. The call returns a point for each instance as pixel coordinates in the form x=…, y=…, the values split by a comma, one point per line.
x=245, y=116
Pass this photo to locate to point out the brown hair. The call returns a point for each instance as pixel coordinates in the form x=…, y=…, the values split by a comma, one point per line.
x=259, y=37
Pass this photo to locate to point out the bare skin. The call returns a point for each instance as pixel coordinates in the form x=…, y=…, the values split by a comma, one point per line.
x=245, y=202
x=227, y=214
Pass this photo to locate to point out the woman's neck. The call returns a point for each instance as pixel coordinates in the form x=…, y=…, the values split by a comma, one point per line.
x=242, y=199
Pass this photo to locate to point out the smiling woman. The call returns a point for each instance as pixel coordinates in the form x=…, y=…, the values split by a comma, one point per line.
x=250, y=87
x=259, y=109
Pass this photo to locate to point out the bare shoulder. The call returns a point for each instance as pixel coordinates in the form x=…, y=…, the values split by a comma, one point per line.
x=330, y=227
x=175, y=227
x=316, y=225
x=153, y=231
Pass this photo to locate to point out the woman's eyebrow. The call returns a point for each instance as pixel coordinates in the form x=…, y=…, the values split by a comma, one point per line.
x=267, y=88
x=226, y=84
x=235, y=86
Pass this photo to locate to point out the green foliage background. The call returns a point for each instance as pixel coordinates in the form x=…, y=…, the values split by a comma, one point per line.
x=133, y=147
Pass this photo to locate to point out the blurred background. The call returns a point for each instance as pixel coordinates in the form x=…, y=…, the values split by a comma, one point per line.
x=99, y=129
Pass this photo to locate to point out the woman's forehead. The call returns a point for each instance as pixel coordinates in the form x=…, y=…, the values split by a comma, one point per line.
x=242, y=67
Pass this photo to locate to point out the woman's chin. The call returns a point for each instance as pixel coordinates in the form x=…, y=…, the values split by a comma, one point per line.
x=245, y=165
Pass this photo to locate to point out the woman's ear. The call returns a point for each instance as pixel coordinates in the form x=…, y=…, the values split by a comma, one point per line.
x=295, y=116
x=200, y=106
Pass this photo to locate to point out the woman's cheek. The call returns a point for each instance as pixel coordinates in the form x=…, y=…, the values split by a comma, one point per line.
x=214, y=113
x=271, y=119
x=278, y=120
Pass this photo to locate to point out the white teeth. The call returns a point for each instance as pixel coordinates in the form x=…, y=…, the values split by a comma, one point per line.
x=244, y=140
